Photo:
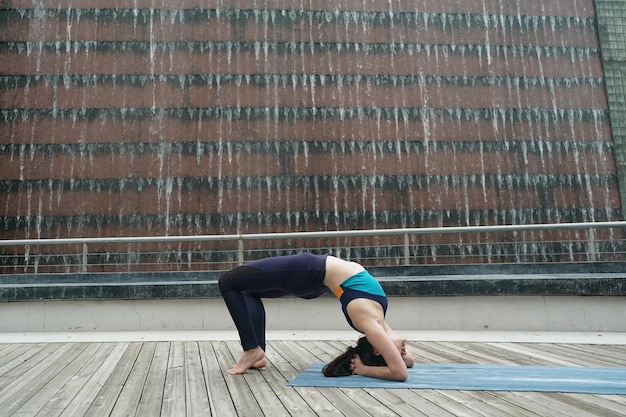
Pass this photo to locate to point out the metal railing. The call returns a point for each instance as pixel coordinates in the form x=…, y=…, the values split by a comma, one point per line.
x=583, y=242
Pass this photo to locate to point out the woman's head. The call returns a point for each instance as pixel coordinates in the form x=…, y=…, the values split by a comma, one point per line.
x=341, y=365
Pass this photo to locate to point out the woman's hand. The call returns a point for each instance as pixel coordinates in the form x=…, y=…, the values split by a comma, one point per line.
x=408, y=359
x=357, y=366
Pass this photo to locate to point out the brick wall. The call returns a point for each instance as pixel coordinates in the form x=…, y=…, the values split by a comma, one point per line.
x=208, y=117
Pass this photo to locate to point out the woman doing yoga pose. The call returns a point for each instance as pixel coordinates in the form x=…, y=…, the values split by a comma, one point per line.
x=381, y=353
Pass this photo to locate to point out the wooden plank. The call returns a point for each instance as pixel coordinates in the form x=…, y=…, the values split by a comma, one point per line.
x=10, y=352
x=277, y=381
x=68, y=392
x=128, y=400
x=243, y=399
x=585, y=355
x=281, y=399
x=29, y=364
x=371, y=403
x=486, y=405
x=47, y=388
x=614, y=403
x=197, y=397
x=24, y=385
x=551, y=354
x=612, y=351
x=504, y=356
x=423, y=400
x=314, y=399
x=467, y=353
x=152, y=395
x=420, y=354
x=530, y=355
x=546, y=405
x=533, y=351
x=220, y=401
x=395, y=403
x=442, y=401
x=327, y=351
x=262, y=392
x=620, y=399
x=529, y=404
x=174, y=402
x=16, y=357
x=580, y=403
x=477, y=353
x=385, y=404
x=110, y=391
x=339, y=398
x=72, y=379
x=87, y=394
x=430, y=353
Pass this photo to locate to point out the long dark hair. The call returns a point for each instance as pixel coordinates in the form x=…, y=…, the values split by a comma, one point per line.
x=340, y=366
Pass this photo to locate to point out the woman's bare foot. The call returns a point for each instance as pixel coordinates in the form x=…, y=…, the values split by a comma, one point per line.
x=253, y=358
x=261, y=363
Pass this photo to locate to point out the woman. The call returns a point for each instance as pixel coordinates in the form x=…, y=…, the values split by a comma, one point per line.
x=308, y=276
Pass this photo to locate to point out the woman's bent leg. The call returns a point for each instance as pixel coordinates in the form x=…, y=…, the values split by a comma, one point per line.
x=256, y=314
x=243, y=308
x=248, y=314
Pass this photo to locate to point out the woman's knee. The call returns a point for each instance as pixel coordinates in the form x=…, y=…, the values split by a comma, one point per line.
x=229, y=277
x=221, y=283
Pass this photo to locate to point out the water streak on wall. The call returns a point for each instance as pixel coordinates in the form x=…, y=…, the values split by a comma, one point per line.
x=213, y=117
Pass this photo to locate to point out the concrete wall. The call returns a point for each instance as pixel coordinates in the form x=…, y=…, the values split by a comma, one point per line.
x=511, y=313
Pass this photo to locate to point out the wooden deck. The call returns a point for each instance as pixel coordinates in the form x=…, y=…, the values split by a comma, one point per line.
x=187, y=378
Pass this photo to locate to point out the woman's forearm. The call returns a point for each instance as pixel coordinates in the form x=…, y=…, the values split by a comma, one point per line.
x=383, y=372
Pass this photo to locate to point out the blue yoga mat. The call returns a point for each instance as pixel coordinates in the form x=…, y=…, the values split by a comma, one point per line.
x=483, y=378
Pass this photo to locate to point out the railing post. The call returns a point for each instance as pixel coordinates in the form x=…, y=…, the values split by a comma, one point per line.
x=406, y=249
x=240, y=251
x=85, y=251
x=26, y=256
x=592, y=244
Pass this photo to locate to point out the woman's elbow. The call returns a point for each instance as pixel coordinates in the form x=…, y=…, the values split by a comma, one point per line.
x=401, y=375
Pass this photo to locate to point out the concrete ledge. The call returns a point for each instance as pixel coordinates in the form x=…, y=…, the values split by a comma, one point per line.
x=606, y=279
x=502, y=313
x=481, y=336
x=559, y=297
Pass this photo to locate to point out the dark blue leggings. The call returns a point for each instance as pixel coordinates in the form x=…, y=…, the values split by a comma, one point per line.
x=243, y=288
